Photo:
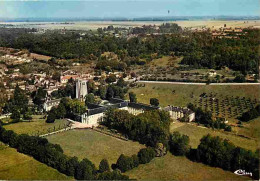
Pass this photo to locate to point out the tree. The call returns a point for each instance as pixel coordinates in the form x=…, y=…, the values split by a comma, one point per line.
x=60, y=111
x=89, y=99
x=102, y=92
x=240, y=78
x=179, y=144
x=51, y=117
x=121, y=82
x=85, y=170
x=110, y=93
x=146, y=155
x=154, y=102
x=111, y=78
x=104, y=166
x=132, y=97
x=39, y=96
x=71, y=166
x=16, y=116
x=124, y=163
x=56, y=76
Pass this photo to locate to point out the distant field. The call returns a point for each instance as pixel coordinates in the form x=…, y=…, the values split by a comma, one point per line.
x=93, y=145
x=196, y=133
x=81, y=25
x=36, y=126
x=171, y=167
x=17, y=166
x=183, y=93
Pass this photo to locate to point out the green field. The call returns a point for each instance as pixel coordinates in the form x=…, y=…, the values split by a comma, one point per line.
x=196, y=133
x=181, y=95
x=250, y=129
x=171, y=167
x=17, y=166
x=36, y=126
x=94, y=145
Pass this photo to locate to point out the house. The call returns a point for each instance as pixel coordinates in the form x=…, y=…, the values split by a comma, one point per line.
x=64, y=79
x=48, y=104
x=212, y=73
x=177, y=113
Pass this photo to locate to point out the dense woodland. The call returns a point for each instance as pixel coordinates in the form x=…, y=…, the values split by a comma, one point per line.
x=199, y=49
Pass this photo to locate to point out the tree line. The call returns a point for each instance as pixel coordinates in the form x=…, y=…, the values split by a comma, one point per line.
x=53, y=156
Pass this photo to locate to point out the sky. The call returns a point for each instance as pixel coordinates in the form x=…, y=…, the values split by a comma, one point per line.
x=126, y=8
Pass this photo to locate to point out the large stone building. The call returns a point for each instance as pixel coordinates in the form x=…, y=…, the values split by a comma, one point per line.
x=81, y=89
x=95, y=113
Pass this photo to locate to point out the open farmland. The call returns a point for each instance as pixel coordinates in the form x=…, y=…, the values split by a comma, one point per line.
x=93, y=25
x=181, y=95
x=94, y=145
x=171, y=167
x=17, y=166
x=37, y=126
x=196, y=133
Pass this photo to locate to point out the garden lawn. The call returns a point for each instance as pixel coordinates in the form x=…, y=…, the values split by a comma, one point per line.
x=94, y=145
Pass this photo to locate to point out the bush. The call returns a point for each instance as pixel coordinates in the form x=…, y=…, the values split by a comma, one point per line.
x=154, y=102
x=51, y=117
x=228, y=128
x=146, y=155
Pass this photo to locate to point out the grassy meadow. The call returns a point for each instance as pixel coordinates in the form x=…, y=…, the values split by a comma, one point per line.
x=36, y=126
x=94, y=145
x=171, y=167
x=17, y=166
x=196, y=133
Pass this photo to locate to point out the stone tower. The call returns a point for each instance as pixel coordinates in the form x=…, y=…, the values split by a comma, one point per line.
x=81, y=89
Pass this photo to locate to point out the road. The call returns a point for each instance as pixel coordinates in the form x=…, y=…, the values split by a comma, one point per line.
x=193, y=83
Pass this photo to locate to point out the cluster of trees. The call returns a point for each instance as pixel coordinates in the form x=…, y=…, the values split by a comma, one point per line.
x=179, y=144
x=68, y=91
x=217, y=152
x=150, y=127
x=125, y=163
x=112, y=90
x=198, y=48
x=68, y=108
x=205, y=118
x=251, y=114
x=53, y=156
x=110, y=65
x=164, y=28
x=18, y=106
